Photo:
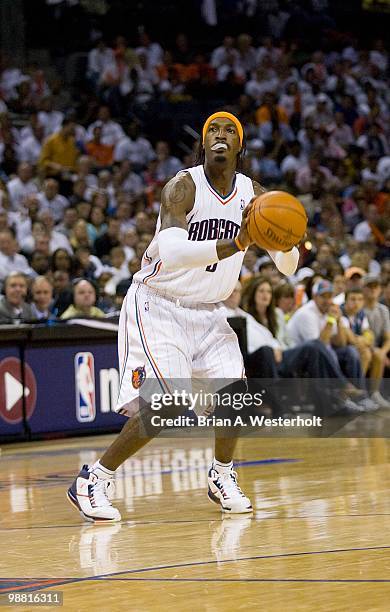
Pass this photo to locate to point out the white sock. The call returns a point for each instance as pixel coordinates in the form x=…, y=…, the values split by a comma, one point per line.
x=222, y=468
x=101, y=471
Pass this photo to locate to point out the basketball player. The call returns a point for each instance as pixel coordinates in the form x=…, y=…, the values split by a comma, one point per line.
x=172, y=324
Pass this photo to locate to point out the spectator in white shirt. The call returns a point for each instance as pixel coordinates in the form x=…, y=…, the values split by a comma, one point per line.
x=23, y=220
x=128, y=181
x=48, y=117
x=10, y=259
x=57, y=239
x=51, y=200
x=112, y=132
x=152, y=50
x=167, y=165
x=321, y=319
x=295, y=160
x=42, y=297
x=83, y=171
x=220, y=55
x=246, y=53
x=313, y=176
x=30, y=148
x=99, y=58
x=21, y=186
x=134, y=148
x=128, y=240
x=363, y=231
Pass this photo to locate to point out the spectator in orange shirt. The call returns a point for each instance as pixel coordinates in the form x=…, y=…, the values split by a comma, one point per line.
x=270, y=111
x=270, y=116
x=101, y=154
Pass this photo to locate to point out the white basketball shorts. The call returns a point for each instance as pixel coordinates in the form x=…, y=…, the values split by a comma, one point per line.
x=163, y=338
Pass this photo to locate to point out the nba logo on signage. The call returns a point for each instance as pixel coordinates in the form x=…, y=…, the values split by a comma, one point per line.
x=85, y=387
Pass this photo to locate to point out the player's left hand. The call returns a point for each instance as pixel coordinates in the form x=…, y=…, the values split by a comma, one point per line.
x=243, y=234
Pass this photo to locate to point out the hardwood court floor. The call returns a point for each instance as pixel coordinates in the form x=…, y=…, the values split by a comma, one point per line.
x=319, y=538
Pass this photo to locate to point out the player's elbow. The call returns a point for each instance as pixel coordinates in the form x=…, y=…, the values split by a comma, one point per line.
x=169, y=246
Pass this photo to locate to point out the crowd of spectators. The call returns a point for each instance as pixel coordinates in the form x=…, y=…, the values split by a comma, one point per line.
x=80, y=180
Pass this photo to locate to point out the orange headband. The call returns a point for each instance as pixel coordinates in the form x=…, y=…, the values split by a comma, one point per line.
x=226, y=115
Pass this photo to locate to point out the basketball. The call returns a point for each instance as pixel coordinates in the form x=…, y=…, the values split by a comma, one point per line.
x=277, y=221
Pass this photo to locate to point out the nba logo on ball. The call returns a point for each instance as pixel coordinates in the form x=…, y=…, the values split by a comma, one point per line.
x=85, y=387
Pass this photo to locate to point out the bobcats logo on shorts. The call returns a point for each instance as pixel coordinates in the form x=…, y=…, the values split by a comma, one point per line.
x=138, y=377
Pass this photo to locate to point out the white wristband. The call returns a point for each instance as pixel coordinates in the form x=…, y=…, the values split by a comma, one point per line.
x=177, y=252
x=286, y=263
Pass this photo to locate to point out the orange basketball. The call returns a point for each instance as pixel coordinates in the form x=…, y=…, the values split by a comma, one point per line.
x=277, y=221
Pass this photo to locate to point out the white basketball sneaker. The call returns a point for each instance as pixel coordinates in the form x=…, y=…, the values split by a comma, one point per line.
x=224, y=490
x=90, y=494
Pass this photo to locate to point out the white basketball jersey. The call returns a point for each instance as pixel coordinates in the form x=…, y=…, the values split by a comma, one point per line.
x=213, y=216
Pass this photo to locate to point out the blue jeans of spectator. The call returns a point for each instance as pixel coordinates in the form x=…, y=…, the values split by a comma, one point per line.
x=348, y=359
x=310, y=359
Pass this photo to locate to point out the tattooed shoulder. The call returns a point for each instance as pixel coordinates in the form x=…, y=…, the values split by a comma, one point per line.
x=178, y=191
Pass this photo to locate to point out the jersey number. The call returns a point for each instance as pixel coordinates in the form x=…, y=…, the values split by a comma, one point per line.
x=211, y=267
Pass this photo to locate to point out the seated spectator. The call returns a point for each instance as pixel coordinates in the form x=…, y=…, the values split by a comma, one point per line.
x=51, y=119
x=269, y=355
x=83, y=210
x=250, y=264
x=284, y=297
x=50, y=199
x=369, y=227
x=220, y=54
x=271, y=114
x=10, y=259
x=79, y=190
x=86, y=264
x=128, y=181
x=62, y=293
x=83, y=171
x=59, y=153
x=111, y=133
x=313, y=175
x=128, y=240
x=84, y=300
x=134, y=147
x=119, y=269
x=13, y=306
x=321, y=319
x=96, y=225
x=295, y=160
x=361, y=336
x=111, y=238
x=40, y=263
x=101, y=154
x=57, y=240
x=42, y=297
x=79, y=236
x=68, y=221
x=62, y=260
x=378, y=317
x=167, y=164
x=21, y=186
x=99, y=58
x=31, y=146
